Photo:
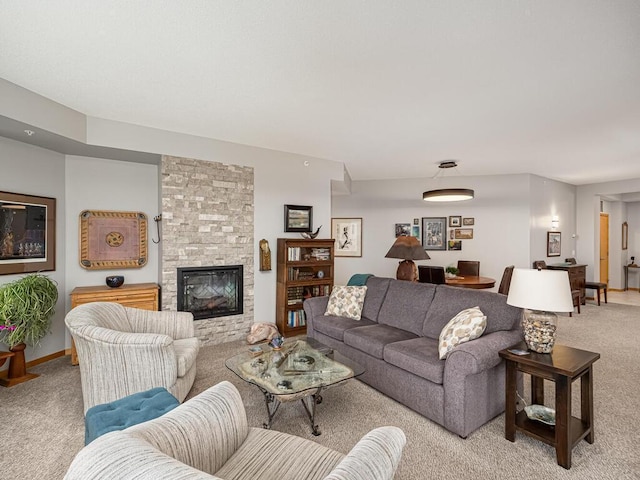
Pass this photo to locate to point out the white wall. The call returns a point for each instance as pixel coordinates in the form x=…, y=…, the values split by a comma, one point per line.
x=549, y=198
x=35, y=171
x=100, y=184
x=501, y=230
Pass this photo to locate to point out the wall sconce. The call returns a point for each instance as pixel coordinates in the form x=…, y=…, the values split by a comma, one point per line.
x=555, y=222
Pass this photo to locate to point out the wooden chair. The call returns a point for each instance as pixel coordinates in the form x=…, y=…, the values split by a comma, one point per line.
x=506, y=280
x=597, y=286
x=539, y=264
x=469, y=267
x=428, y=274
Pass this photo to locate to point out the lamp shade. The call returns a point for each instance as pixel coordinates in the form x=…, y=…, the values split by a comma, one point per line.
x=407, y=248
x=448, y=195
x=543, y=290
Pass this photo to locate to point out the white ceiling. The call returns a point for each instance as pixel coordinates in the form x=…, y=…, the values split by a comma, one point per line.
x=390, y=88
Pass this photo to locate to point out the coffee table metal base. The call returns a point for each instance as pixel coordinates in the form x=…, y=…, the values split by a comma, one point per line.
x=309, y=403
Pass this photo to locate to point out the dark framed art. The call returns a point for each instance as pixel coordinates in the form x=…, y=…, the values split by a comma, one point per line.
x=434, y=232
x=402, y=229
x=455, y=221
x=468, y=221
x=298, y=218
x=463, y=233
x=625, y=235
x=553, y=244
x=27, y=233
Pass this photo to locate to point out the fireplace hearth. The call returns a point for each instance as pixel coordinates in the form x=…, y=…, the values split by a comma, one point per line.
x=209, y=292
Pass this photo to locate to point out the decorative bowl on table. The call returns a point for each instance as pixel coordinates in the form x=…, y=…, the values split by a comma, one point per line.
x=541, y=414
x=115, y=281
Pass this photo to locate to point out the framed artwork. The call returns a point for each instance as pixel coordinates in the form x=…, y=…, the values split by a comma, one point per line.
x=416, y=221
x=415, y=232
x=463, y=233
x=110, y=239
x=553, y=244
x=298, y=218
x=455, y=244
x=347, y=233
x=434, y=233
x=27, y=233
x=455, y=221
x=403, y=229
x=468, y=221
x=625, y=235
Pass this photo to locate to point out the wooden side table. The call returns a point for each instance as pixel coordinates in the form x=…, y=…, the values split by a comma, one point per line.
x=137, y=295
x=562, y=366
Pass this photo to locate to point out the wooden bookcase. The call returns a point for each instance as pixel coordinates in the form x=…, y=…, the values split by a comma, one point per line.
x=305, y=269
x=145, y=296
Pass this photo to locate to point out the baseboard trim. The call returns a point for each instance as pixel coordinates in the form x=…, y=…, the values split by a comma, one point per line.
x=38, y=361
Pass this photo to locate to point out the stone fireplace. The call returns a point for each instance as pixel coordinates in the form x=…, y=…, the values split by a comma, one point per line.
x=207, y=221
x=209, y=292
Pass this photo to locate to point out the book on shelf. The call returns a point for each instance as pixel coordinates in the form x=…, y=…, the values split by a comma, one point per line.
x=296, y=318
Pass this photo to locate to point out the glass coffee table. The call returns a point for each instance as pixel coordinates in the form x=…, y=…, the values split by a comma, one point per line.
x=300, y=370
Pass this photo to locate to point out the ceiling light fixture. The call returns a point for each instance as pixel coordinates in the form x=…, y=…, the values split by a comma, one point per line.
x=29, y=132
x=447, y=194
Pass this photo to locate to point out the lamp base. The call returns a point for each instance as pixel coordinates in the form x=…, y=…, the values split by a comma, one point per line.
x=407, y=270
x=539, y=330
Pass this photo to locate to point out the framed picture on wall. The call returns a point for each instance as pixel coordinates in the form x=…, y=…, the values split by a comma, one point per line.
x=434, y=233
x=298, y=218
x=27, y=233
x=403, y=229
x=347, y=232
x=553, y=244
x=625, y=235
x=455, y=221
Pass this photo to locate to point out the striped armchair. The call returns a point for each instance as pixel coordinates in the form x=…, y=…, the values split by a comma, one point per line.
x=127, y=350
x=208, y=437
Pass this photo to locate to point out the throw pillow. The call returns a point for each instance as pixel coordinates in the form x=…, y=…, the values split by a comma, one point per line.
x=468, y=325
x=346, y=301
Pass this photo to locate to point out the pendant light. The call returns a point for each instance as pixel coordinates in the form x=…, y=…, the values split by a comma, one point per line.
x=447, y=194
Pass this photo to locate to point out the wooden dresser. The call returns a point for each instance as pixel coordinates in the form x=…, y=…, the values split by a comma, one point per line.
x=577, y=276
x=145, y=296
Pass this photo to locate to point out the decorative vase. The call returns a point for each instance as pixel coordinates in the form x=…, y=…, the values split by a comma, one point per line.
x=115, y=281
x=539, y=330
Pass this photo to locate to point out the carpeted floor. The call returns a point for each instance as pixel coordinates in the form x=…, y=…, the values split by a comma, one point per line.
x=42, y=423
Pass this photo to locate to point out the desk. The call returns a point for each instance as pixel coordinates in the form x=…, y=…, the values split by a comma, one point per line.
x=562, y=366
x=469, y=281
x=626, y=275
x=577, y=277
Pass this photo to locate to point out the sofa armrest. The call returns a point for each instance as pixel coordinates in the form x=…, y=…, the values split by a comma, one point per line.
x=480, y=354
x=376, y=455
x=314, y=307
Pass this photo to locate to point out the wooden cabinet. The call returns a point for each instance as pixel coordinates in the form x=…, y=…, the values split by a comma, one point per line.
x=305, y=269
x=577, y=277
x=145, y=296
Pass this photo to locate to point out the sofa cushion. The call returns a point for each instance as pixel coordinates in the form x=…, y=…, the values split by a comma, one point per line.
x=406, y=305
x=449, y=301
x=467, y=325
x=335, y=327
x=373, y=338
x=346, y=301
x=418, y=356
x=376, y=292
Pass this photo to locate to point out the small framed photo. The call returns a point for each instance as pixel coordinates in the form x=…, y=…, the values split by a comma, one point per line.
x=463, y=233
x=553, y=244
x=403, y=229
x=455, y=221
x=298, y=218
x=347, y=233
x=434, y=233
x=415, y=232
x=455, y=244
x=416, y=221
x=468, y=221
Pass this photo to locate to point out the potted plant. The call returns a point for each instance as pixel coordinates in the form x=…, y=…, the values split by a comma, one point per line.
x=451, y=271
x=26, y=308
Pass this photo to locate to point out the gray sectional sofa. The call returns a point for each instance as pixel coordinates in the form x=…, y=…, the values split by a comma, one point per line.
x=396, y=340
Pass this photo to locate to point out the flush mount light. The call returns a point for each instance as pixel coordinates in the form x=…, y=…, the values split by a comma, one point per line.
x=29, y=132
x=447, y=194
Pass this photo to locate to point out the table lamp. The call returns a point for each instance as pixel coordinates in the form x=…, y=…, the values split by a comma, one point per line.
x=540, y=293
x=408, y=249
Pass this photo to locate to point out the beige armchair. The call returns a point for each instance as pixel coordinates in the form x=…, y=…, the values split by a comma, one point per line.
x=208, y=437
x=127, y=350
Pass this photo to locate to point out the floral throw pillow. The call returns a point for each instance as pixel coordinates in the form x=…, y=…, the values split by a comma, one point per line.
x=346, y=301
x=468, y=325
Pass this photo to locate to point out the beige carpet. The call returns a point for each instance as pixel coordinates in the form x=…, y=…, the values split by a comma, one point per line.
x=42, y=423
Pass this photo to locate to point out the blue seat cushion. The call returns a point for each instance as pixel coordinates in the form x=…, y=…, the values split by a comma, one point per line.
x=125, y=412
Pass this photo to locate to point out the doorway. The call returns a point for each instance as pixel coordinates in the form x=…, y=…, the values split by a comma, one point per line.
x=604, y=248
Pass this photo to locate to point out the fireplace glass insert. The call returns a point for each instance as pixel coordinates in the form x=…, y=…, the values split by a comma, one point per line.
x=209, y=292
